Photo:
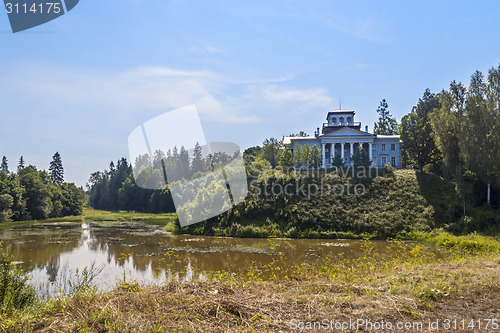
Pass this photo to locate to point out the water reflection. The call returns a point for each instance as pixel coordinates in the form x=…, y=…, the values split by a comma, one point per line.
x=53, y=252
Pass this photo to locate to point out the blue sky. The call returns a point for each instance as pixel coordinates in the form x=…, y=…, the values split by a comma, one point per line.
x=255, y=69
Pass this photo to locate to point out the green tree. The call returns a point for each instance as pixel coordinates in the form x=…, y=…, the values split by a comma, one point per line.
x=419, y=147
x=271, y=151
x=300, y=134
x=6, y=202
x=337, y=161
x=360, y=158
x=5, y=166
x=38, y=193
x=21, y=163
x=315, y=157
x=387, y=124
x=197, y=163
x=56, y=169
x=286, y=158
x=184, y=163
x=447, y=130
x=480, y=147
x=305, y=155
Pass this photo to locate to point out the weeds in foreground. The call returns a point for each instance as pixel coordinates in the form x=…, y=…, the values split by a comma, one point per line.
x=414, y=276
x=15, y=290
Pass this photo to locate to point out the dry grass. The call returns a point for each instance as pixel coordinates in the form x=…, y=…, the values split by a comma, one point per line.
x=447, y=290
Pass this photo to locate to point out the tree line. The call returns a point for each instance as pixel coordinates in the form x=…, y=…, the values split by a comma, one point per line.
x=117, y=189
x=29, y=193
x=456, y=133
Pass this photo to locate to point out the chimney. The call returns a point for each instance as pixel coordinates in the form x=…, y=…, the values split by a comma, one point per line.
x=318, y=131
x=366, y=128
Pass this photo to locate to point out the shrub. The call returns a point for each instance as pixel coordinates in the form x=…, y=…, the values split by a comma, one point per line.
x=15, y=291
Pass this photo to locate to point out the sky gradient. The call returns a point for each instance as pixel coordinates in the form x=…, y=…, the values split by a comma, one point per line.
x=254, y=69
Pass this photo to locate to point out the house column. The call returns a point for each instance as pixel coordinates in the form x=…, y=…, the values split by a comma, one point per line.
x=332, y=152
x=352, y=152
x=342, y=151
x=323, y=153
x=370, y=152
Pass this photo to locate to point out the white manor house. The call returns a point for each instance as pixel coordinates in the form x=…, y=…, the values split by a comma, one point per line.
x=341, y=135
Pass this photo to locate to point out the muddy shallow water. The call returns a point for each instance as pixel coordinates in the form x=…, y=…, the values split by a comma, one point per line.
x=53, y=253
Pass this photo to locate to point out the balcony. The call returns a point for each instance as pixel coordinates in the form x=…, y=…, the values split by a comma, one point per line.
x=355, y=124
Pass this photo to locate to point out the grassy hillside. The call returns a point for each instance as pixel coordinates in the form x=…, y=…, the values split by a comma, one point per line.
x=394, y=205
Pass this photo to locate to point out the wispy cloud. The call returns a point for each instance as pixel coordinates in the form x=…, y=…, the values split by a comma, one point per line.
x=219, y=98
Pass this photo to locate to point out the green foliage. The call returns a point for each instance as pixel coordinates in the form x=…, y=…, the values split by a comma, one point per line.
x=31, y=194
x=360, y=158
x=15, y=291
x=390, y=206
x=419, y=148
x=337, y=161
x=4, y=167
x=316, y=160
x=117, y=188
x=56, y=169
x=456, y=133
x=286, y=158
x=307, y=156
x=271, y=151
x=84, y=280
x=251, y=154
x=386, y=124
x=6, y=202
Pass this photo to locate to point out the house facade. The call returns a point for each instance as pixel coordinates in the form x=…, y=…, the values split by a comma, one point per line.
x=341, y=135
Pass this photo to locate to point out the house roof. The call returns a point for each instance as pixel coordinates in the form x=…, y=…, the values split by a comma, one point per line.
x=388, y=137
x=287, y=140
x=339, y=112
x=347, y=131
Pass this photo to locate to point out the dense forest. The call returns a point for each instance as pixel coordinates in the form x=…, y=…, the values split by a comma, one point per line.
x=29, y=193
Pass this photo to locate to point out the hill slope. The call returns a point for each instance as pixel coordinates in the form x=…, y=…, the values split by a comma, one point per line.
x=385, y=206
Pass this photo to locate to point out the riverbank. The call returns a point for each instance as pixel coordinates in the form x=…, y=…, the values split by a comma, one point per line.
x=413, y=284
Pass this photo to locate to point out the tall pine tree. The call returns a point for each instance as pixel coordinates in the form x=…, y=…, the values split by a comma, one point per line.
x=4, y=167
x=21, y=163
x=387, y=124
x=56, y=169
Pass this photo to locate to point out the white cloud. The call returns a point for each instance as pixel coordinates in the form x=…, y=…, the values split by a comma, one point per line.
x=218, y=98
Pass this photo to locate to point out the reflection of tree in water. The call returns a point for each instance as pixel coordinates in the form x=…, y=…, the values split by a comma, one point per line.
x=118, y=240
x=41, y=246
x=141, y=248
x=52, y=268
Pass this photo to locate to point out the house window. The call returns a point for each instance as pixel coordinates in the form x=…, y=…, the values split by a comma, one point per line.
x=383, y=147
x=384, y=160
x=341, y=120
x=348, y=120
x=393, y=161
x=393, y=146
